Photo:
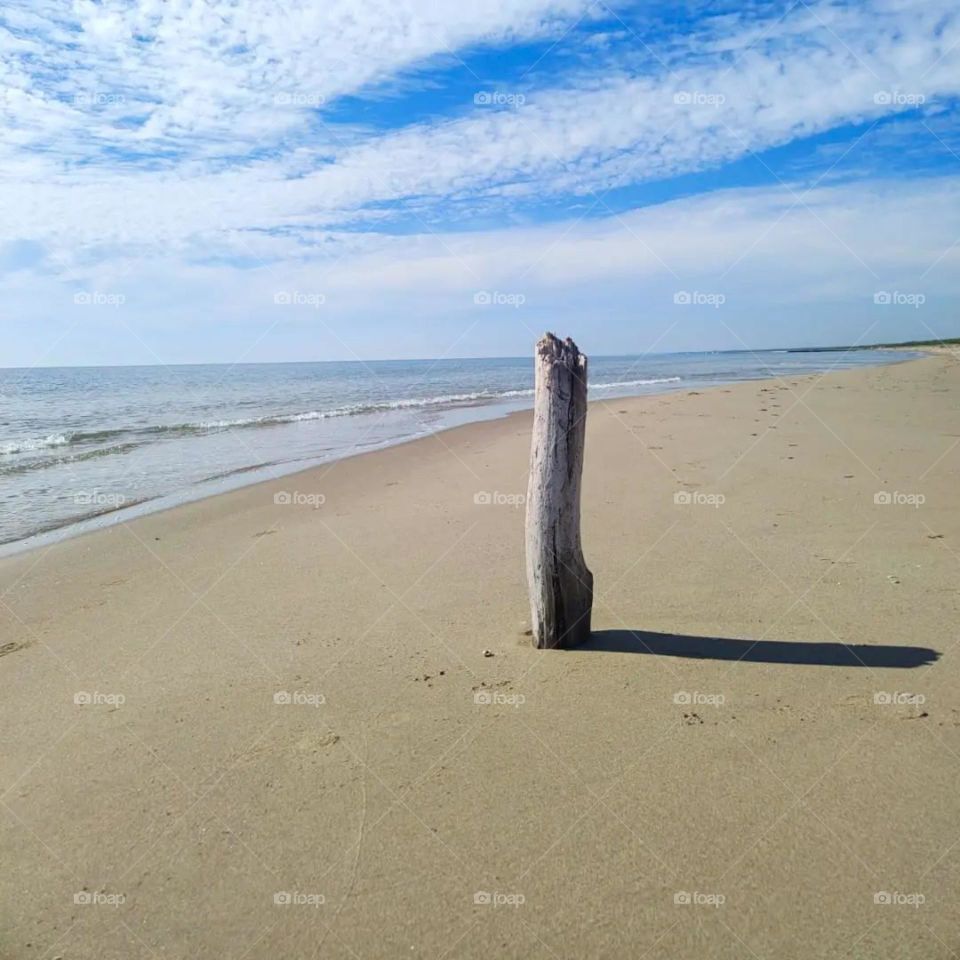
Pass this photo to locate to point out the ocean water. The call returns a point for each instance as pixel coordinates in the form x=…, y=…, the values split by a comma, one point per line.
x=84, y=442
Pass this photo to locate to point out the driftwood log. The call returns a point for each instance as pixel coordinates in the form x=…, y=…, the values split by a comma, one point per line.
x=560, y=585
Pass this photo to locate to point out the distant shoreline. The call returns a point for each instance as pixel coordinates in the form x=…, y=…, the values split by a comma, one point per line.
x=908, y=345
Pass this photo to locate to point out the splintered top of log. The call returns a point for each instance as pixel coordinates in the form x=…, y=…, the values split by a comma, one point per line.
x=553, y=349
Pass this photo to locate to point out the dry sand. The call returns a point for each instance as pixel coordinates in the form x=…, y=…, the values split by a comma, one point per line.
x=782, y=799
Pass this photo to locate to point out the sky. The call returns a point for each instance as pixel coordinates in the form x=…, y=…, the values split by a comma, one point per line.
x=186, y=182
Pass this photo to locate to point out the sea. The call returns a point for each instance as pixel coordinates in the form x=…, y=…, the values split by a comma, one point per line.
x=82, y=447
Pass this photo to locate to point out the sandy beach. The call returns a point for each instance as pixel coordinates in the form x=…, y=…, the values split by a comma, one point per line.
x=304, y=719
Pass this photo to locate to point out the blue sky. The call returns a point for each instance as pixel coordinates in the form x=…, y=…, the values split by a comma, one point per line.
x=190, y=182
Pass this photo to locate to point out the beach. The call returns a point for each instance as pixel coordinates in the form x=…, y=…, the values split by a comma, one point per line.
x=304, y=719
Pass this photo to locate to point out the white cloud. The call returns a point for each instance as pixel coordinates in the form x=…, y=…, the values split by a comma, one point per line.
x=212, y=78
x=817, y=67
x=793, y=267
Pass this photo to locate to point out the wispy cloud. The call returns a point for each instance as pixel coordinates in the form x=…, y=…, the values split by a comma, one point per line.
x=204, y=80
x=790, y=77
x=791, y=267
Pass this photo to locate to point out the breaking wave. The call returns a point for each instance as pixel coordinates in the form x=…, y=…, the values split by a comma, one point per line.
x=351, y=410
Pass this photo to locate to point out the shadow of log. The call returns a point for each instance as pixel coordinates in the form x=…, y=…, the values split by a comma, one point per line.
x=758, y=651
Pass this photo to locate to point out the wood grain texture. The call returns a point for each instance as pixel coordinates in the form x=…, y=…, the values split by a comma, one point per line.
x=560, y=585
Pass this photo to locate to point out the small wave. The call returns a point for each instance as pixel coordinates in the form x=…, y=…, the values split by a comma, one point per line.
x=34, y=443
x=352, y=410
x=26, y=465
x=631, y=383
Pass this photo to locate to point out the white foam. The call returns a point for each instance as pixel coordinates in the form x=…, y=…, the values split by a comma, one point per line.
x=632, y=383
x=451, y=399
x=35, y=443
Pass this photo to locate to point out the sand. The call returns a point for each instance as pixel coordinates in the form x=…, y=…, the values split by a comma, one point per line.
x=292, y=702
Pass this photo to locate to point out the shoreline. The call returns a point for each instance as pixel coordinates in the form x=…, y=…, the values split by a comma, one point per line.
x=266, y=473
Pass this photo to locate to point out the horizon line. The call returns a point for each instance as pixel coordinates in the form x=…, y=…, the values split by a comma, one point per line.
x=605, y=356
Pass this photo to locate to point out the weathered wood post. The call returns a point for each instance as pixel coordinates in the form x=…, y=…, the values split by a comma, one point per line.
x=561, y=586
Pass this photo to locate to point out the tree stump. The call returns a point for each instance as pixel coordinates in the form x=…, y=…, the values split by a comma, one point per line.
x=560, y=585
